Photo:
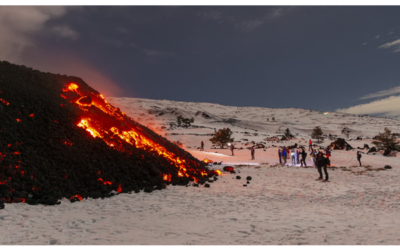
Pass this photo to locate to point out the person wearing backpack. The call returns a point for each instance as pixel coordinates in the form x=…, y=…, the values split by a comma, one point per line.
x=328, y=155
x=359, y=157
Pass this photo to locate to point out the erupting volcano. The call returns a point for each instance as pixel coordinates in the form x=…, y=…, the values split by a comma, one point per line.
x=60, y=138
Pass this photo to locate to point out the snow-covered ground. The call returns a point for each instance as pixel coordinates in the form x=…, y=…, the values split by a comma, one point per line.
x=280, y=205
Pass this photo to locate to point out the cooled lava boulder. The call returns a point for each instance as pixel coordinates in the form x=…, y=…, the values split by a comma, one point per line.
x=228, y=168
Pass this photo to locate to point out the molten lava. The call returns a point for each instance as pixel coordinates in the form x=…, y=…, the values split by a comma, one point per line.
x=206, y=161
x=5, y=102
x=104, y=121
x=77, y=196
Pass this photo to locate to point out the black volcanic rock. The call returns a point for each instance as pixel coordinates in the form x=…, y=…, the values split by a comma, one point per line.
x=45, y=156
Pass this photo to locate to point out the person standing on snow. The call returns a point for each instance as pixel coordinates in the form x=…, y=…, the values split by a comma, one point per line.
x=202, y=146
x=252, y=153
x=328, y=154
x=313, y=157
x=284, y=155
x=303, y=157
x=310, y=145
x=321, y=164
x=359, y=157
x=280, y=155
x=293, y=157
x=232, y=147
x=297, y=156
x=287, y=153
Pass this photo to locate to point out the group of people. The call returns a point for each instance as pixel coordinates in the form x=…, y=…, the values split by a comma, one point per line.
x=319, y=159
x=284, y=154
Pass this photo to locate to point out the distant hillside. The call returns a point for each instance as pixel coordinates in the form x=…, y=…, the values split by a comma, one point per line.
x=247, y=123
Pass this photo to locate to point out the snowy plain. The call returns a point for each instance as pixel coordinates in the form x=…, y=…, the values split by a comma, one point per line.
x=280, y=205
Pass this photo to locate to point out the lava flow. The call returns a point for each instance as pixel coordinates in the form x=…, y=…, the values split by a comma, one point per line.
x=60, y=138
x=104, y=121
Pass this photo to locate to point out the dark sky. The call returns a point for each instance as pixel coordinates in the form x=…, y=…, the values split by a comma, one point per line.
x=320, y=58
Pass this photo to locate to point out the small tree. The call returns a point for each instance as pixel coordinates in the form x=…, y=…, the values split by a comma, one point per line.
x=184, y=122
x=222, y=137
x=288, y=135
x=346, y=132
x=317, y=133
x=386, y=141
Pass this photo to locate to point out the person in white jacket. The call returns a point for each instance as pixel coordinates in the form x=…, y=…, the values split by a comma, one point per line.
x=293, y=154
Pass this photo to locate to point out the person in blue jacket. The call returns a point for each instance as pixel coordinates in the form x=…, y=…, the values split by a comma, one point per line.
x=284, y=155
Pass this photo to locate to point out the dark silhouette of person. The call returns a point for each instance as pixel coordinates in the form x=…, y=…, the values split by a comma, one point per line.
x=280, y=155
x=359, y=157
x=232, y=147
x=252, y=153
x=303, y=157
x=202, y=146
x=321, y=164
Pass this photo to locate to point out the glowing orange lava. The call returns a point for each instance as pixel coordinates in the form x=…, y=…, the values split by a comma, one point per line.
x=113, y=125
x=5, y=102
x=77, y=196
x=218, y=172
x=206, y=161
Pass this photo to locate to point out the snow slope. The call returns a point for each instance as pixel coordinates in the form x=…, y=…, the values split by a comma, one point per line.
x=280, y=205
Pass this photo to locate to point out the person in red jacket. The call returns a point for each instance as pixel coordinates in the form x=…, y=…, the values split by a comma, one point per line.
x=310, y=145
